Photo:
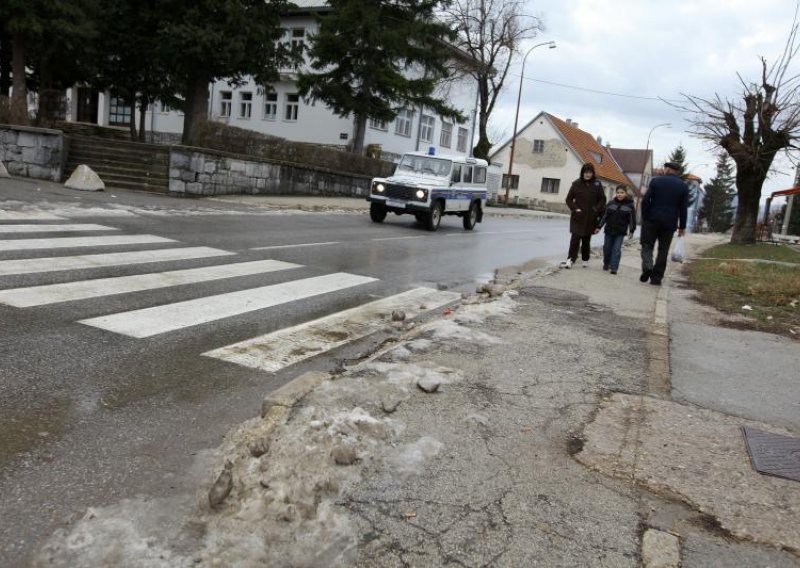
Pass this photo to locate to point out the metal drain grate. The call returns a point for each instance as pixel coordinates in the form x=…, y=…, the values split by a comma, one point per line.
x=773, y=454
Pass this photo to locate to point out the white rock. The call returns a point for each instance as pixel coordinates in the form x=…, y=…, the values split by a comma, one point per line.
x=85, y=179
x=3, y=171
x=747, y=308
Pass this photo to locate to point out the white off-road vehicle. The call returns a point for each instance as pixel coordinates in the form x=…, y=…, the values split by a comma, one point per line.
x=429, y=186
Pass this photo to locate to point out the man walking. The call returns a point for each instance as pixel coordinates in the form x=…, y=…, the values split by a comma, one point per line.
x=664, y=209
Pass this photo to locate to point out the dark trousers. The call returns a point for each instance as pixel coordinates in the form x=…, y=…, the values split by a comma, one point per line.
x=612, y=251
x=652, y=232
x=582, y=242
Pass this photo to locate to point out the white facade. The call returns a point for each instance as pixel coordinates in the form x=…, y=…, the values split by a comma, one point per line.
x=282, y=112
x=547, y=168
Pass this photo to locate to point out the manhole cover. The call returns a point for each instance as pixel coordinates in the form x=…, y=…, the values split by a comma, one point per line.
x=773, y=454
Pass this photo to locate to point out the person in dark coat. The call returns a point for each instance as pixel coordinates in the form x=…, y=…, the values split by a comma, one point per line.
x=619, y=218
x=586, y=201
x=664, y=209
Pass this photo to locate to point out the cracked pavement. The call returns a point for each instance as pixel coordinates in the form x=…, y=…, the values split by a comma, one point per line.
x=368, y=470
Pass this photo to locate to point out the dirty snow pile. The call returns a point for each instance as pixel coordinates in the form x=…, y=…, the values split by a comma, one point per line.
x=283, y=487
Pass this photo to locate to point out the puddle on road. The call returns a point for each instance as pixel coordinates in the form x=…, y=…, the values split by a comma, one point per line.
x=23, y=429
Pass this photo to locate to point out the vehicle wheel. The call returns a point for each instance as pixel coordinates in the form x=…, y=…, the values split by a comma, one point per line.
x=471, y=216
x=377, y=212
x=433, y=218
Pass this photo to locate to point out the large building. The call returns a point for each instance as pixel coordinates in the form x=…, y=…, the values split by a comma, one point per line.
x=281, y=111
x=548, y=155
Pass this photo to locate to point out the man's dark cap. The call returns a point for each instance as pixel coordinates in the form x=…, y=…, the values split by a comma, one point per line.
x=673, y=166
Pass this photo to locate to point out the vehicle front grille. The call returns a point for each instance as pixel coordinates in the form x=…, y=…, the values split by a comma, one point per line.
x=400, y=192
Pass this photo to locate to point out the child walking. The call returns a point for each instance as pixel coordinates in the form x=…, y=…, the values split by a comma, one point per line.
x=619, y=218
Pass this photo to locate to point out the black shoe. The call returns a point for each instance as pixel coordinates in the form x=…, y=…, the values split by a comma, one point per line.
x=613, y=272
x=605, y=267
x=656, y=281
x=645, y=276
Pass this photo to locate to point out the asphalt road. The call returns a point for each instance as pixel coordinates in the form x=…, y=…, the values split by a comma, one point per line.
x=88, y=416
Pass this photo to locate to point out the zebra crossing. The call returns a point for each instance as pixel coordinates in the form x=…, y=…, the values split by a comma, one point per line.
x=288, y=346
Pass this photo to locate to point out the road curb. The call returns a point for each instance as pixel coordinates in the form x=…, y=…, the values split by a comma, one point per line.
x=279, y=402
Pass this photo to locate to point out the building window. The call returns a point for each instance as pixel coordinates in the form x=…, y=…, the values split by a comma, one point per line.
x=461, y=141
x=402, y=124
x=426, y=125
x=378, y=124
x=292, y=106
x=446, y=136
x=245, y=105
x=514, y=181
x=119, y=112
x=597, y=157
x=298, y=39
x=270, y=106
x=226, y=98
x=538, y=146
x=550, y=185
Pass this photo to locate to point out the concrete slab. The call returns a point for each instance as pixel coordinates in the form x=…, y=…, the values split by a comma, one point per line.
x=698, y=456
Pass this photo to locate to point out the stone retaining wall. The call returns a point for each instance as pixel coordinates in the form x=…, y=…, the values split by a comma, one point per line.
x=32, y=152
x=195, y=171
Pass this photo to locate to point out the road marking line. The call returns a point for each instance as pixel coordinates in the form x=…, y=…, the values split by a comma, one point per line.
x=54, y=228
x=71, y=242
x=171, y=317
x=27, y=216
x=57, y=263
x=297, y=245
x=479, y=233
x=274, y=351
x=398, y=238
x=81, y=290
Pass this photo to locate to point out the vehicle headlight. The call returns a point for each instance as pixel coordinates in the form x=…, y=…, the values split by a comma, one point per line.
x=380, y=188
x=421, y=193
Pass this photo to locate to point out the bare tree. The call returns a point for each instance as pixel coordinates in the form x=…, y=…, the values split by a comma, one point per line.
x=753, y=129
x=491, y=31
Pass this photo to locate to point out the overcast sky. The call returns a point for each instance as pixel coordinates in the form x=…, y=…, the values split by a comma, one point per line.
x=645, y=48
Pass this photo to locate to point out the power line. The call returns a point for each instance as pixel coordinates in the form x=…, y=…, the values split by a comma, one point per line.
x=596, y=91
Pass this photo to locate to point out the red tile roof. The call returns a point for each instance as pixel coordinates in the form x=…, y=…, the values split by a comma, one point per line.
x=585, y=146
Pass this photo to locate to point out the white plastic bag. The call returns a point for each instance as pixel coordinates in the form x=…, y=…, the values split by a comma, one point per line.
x=678, y=250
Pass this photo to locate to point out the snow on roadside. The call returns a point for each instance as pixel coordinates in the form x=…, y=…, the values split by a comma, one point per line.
x=289, y=483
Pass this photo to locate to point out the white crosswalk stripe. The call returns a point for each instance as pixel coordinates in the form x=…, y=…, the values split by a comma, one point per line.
x=274, y=351
x=59, y=263
x=81, y=290
x=80, y=242
x=171, y=317
x=27, y=216
x=65, y=228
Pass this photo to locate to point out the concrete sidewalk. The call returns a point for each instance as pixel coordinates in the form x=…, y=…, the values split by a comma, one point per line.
x=541, y=426
x=357, y=205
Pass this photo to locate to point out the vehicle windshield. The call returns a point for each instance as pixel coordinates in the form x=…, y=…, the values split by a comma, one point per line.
x=425, y=165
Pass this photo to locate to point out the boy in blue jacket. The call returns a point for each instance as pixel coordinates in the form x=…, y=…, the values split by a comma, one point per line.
x=619, y=218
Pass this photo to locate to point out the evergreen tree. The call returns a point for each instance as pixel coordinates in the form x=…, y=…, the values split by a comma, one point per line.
x=678, y=156
x=206, y=40
x=716, y=209
x=364, y=54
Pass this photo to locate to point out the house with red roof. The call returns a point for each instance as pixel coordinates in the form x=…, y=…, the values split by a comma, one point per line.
x=548, y=155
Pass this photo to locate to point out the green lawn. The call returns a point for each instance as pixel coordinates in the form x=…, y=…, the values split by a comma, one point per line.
x=772, y=290
x=763, y=251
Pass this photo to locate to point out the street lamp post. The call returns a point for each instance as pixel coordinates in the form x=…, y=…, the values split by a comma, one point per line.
x=646, y=152
x=552, y=45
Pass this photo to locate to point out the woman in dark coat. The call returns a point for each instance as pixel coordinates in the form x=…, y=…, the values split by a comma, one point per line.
x=586, y=200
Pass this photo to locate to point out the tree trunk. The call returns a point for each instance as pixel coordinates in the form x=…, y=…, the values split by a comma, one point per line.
x=748, y=185
x=142, y=113
x=196, y=111
x=19, y=98
x=361, y=131
x=483, y=146
x=5, y=63
x=132, y=122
